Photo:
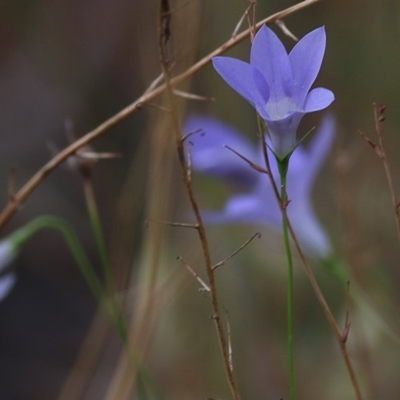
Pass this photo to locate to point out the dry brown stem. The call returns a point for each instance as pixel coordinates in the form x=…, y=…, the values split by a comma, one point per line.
x=163, y=43
x=321, y=299
x=379, y=119
x=146, y=98
x=247, y=242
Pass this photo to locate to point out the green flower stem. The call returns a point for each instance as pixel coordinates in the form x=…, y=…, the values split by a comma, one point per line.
x=98, y=234
x=283, y=166
x=111, y=291
x=20, y=236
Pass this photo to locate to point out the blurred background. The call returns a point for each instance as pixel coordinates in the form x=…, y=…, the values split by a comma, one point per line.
x=83, y=61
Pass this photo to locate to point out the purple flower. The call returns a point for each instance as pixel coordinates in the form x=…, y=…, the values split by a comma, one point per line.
x=257, y=204
x=7, y=256
x=278, y=84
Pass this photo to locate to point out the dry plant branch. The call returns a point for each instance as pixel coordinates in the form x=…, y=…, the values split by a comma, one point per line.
x=195, y=275
x=87, y=360
x=146, y=97
x=242, y=18
x=380, y=151
x=176, y=224
x=251, y=164
x=192, y=96
x=248, y=241
x=321, y=299
x=379, y=119
x=228, y=332
x=286, y=31
x=327, y=312
x=162, y=42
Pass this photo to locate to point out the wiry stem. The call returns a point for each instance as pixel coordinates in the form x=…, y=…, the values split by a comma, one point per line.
x=19, y=197
x=283, y=169
x=163, y=39
x=320, y=297
x=110, y=287
x=378, y=120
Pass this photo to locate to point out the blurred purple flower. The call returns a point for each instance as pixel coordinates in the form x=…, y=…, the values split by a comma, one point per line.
x=278, y=84
x=258, y=205
x=7, y=256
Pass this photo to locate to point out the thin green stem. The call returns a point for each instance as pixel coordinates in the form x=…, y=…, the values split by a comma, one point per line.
x=111, y=291
x=283, y=168
x=23, y=234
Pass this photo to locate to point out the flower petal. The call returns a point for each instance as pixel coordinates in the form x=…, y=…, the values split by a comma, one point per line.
x=321, y=144
x=251, y=208
x=269, y=56
x=238, y=75
x=283, y=133
x=7, y=282
x=305, y=163
x=210, y=156
x=263, y=91
x=305, y=59
x=311, y=235
x=318, y=99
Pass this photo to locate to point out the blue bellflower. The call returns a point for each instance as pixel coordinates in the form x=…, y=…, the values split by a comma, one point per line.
x=257, y=204
x=278, y=84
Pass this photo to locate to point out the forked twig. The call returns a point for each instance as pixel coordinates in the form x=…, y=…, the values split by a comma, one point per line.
x=147, y=97
x=219, y=264
x=242, y=18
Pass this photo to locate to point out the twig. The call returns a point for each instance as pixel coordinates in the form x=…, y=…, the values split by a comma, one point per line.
x=347, y=323
x=329, y=316
x=286, y=30
x=242, y=18
x=228, y=332
x=325, y=307
x=195, y=275
x=192, y=96
x=147, y=97
x=257, y=234
x=379, y=119
x=187, y=135
x=177, y=224
x=192, y=200
x=251, y=164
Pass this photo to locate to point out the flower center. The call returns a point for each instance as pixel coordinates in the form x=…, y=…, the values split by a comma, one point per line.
x=280, y=109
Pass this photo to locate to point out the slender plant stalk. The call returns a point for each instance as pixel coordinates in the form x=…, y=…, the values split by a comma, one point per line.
x=283, y=166
x=385, y=162
x=199, y=222
x=16, y=199
x=144, y=378
x=105, y=264
x=163, y=39
x=98, y=234
x=79, y=254
x=331, y=319
x=320, y=297
x=73, y=243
